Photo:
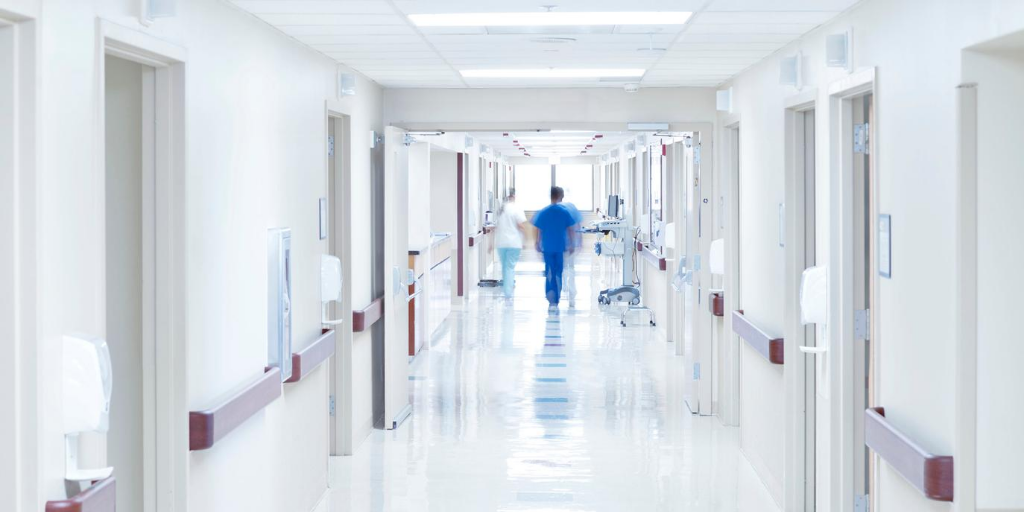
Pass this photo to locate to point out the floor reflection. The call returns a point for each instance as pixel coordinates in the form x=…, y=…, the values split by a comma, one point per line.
x=517, y=409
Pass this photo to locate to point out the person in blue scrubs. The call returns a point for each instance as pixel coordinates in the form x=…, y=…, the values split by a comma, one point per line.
x=555, y=224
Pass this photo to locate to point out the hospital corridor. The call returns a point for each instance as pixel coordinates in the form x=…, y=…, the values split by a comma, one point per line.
x=511, y=256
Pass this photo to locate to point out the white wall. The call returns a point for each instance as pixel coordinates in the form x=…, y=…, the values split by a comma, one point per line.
x=593, y=108
x=256, y=130
x=915, y=46
x=999, y=73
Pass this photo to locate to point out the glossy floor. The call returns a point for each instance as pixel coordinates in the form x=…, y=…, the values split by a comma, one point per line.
x=519, y=409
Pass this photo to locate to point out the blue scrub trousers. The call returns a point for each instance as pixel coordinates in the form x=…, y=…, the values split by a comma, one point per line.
x=509, y=257
x=553, y=262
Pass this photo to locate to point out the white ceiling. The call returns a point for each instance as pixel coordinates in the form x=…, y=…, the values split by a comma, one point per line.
x=376, y=38
x=547, y=144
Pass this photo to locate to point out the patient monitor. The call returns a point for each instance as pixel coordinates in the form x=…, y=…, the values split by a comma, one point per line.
x=87, y=386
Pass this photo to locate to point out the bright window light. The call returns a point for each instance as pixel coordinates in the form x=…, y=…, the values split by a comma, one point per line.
x=548, y=19
x=552, y=73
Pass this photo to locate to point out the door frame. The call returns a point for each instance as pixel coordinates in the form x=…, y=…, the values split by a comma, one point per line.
x=841, y=287
x=729, y=384
x=966, y=372
x=340, y=386
x=168, y=281
x=18, y=314
x=800, y=412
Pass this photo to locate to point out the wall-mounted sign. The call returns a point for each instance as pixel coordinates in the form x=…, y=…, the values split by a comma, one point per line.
x=323, y=218
x=885, y=246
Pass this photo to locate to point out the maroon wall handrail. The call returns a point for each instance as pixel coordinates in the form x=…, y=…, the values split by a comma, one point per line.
x=473, y=238
x=930, y=474
x=101, y=497
x=652, y=256
x=716, y=303
x=364, y=318
x=305, y=360
x=769, y=347
x=207, y=427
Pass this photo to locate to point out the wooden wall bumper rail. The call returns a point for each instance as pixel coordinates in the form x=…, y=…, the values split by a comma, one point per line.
x=473, y=239
x=362, y=319
x=930, y=474
x=716, y=303
x=207, y=427
x=651, y=256
x=101, y=497
x=305, y=360
x=769, y=347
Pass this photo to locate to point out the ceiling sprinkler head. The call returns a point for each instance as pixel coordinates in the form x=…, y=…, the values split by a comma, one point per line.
x=548, y=8
x=650, y=46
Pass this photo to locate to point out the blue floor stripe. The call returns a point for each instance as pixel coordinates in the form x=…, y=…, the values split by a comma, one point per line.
x=415, y=377
x=552, y=417
x=550, y=365
x=554, y=344
x=550, y=379
x=552, y=400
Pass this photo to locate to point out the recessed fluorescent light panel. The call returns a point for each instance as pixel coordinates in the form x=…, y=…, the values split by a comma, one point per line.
x=551, y=73
x=549, y=19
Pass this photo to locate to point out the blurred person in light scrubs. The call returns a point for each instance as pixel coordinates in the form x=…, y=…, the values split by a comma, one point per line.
x=573, y=246
x=510, y=236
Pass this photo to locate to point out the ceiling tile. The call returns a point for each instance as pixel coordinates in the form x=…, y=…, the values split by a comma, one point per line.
x=315, y=6
x=333, y=19
x=750, y=28
x=749, y=17
x=725, y=38
x=780, y=39
x=342, y=32
x=781, y=5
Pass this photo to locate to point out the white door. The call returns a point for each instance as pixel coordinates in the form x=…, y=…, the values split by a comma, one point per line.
x=693, y=217
x=396, y=279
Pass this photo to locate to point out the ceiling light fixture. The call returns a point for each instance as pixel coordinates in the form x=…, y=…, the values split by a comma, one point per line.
x=552, y=73
x=548, y=19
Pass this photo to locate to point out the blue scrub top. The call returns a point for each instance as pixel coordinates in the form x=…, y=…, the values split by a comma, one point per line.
x=552, y=222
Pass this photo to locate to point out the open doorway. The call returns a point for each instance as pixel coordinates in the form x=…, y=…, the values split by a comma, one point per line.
x=17, y=256
x=130, y=260
x=853, y=299
x=339, y=244
x=728, y=342
x=142, y=132
x=807, y=360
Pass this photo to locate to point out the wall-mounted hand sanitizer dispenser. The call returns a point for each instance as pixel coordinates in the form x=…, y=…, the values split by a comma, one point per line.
x=814, y=296
x=330, y=286
x=87, y=386
x=279, y=301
